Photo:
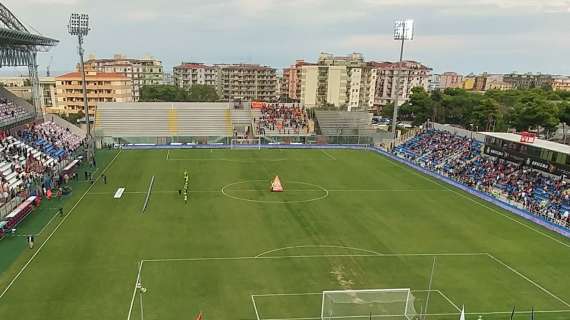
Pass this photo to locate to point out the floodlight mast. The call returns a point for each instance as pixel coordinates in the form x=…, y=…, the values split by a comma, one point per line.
x=403, y=30
x=79, y=26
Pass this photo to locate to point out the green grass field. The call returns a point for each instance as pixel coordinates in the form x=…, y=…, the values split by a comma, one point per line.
x=347, y=220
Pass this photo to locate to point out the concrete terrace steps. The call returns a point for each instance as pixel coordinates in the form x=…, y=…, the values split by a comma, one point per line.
x=163, y=119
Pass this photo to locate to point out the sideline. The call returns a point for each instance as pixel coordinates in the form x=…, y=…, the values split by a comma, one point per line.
x=56, y=228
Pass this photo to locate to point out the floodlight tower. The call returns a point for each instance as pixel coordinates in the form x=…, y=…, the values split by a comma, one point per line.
x=403, y=31
x=79, y=26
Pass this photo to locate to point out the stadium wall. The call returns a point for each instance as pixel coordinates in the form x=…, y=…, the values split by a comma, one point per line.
x=483, y=196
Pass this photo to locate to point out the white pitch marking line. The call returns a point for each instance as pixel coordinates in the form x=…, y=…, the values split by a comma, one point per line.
x=255, y=307
x=56, y=228
x=135, y=290
x=318, y=246
x=314, y=256
x=311, y=294
x=508, y=216
x=448, y=300
x=328, y=154
x=429, y=314
x=543, y=289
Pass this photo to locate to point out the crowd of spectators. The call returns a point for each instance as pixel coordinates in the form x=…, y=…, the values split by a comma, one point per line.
x=281, y=118
x=10, y=110
x=58, y=136
x=26, y=170
x=461, y=159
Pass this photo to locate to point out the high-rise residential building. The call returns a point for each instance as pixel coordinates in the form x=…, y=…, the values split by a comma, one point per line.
x=338, y=81
x=292, y=80
x=101, y=87
x=188, y=74
x=142, y=72
x=247, y=82
x=528, y=80
x=411, y=74
x=352, y=82
x=450, y=80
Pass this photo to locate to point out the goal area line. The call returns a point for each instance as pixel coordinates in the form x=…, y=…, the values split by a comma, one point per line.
x=257, y=304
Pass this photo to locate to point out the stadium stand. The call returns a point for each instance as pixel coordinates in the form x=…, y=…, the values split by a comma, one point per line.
x=32, y=161
x=158, y=119
x=337, y=123
x=278, y=119
x=461, y=159
x=13, y=109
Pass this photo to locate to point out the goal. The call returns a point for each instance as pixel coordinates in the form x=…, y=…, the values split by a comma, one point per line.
x=390, y=304
x=243, y=143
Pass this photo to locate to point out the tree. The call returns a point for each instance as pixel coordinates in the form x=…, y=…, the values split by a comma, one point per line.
x=387, y=111
x=534, y=111
x=163, y=93
x=202, y=93
x=420, y=106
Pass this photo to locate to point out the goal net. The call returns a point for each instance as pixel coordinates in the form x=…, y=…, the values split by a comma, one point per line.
x=389, y=304
x=254, y=143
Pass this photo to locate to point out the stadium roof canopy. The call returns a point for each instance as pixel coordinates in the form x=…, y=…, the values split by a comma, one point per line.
x=539, y=143
x=17, y=43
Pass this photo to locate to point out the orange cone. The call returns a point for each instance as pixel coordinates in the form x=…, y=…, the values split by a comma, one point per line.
x=276, y=185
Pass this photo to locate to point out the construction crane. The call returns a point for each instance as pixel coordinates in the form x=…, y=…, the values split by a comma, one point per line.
x=48, y=73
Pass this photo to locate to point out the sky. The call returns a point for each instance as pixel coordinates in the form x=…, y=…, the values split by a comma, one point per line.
x=495, y=36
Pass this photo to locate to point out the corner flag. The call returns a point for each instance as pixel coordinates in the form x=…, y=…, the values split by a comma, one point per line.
x=462, y=317
x=276, y=185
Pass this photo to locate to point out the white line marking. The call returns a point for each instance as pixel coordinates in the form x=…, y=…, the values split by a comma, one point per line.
x=448, y=300
x=255, y=307
x=315, y=256
x=318, y=246
x=55, y=229
x=429, y=314
x=529, y=280
x=508, y=216
x=135, y=289
x=328, y=154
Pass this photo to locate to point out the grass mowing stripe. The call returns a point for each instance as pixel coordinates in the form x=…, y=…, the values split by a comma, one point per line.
x=56, y=228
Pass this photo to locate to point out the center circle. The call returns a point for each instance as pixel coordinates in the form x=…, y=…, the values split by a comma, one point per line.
x=257, y=190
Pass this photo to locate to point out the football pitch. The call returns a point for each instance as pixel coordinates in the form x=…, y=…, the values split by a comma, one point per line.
x=347, y=220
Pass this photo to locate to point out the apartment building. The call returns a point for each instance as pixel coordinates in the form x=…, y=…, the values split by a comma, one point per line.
x=142, y=72
x=411, y=74
x=247, y=82
x=561, y=84
x=528, y=80
x=335, y=80
x=352, y=82
x=450, y=80
x=292, y=80
x=101, y=87
x=188, y=74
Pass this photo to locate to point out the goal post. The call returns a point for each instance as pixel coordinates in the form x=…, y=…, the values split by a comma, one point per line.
x=244, y=143
x=389, y=304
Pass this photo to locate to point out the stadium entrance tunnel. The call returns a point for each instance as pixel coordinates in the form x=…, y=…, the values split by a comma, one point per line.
x=260, y=191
